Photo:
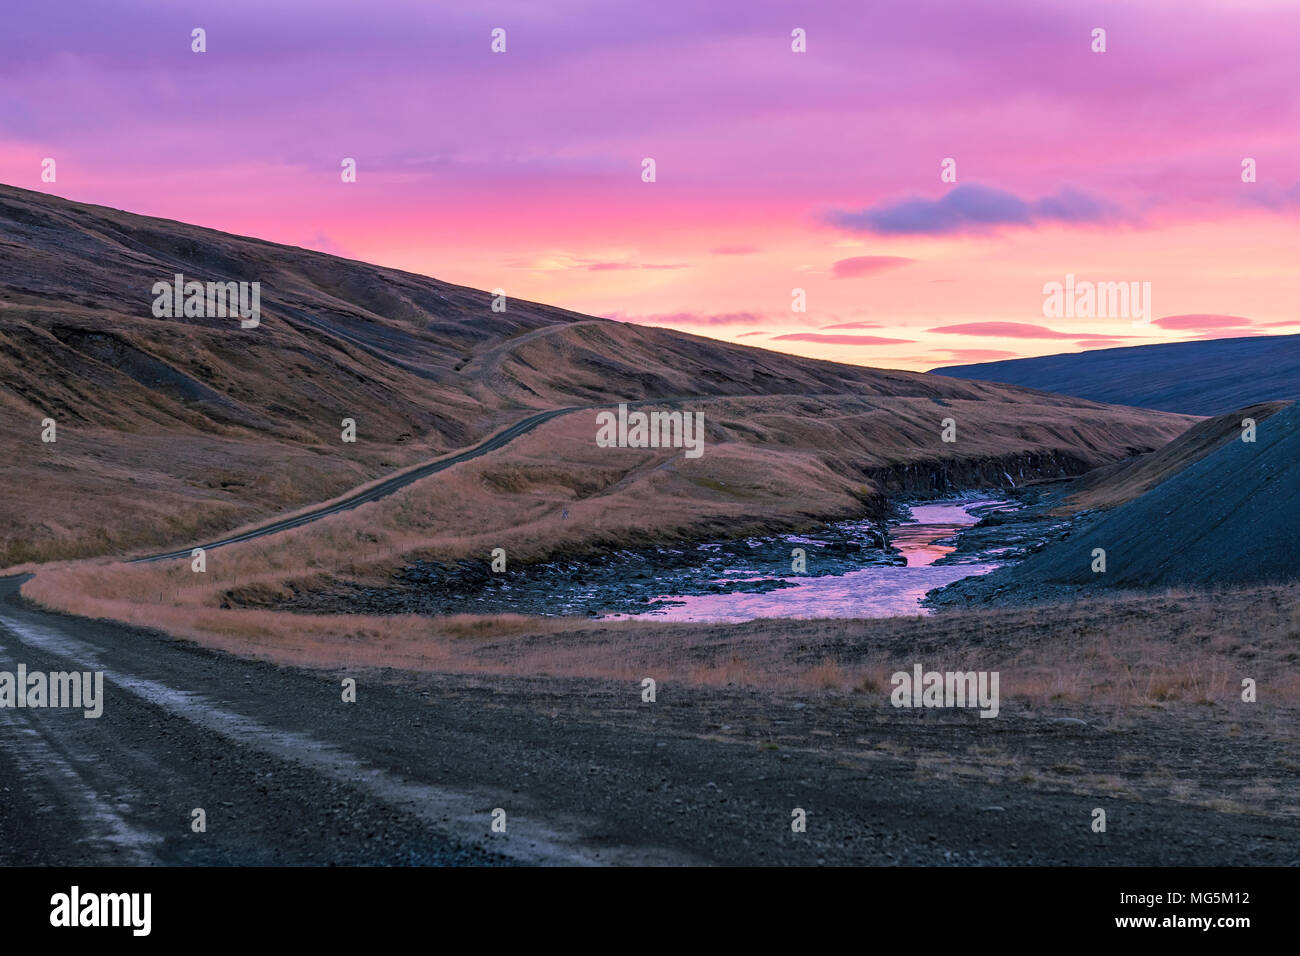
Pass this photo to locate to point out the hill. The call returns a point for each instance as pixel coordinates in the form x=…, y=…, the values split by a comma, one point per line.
x=1228, y=518
x=172, y=429
x=1195, y=378
x=1113, y=485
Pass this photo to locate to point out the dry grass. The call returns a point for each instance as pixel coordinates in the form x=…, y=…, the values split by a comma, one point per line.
x=1166, y=676
x=1135, y=651
x=769, y=464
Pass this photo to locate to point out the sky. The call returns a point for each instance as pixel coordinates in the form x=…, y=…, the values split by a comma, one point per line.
x=774, y=170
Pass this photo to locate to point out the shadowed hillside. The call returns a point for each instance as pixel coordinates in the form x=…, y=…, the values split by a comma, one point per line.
x=1113, y=485
x=1229, y=518
x=1195, y=378
x=174, y=429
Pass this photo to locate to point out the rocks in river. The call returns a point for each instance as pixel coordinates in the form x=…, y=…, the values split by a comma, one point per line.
x=626, y=582
x=623, y=582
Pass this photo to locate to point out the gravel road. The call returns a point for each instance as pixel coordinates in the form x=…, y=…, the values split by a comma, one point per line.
x=585, y=771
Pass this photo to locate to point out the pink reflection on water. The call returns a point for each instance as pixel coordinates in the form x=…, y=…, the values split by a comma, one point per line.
x=870, y=592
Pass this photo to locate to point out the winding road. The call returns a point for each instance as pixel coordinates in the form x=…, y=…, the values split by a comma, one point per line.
x=374, y=492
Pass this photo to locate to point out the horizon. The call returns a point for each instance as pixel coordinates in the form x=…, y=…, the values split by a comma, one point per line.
x=515, y=170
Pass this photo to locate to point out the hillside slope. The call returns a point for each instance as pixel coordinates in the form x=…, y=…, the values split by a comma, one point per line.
x=176, y=429
x=1113, y=485
x=1229, y=518
x=1195, y=378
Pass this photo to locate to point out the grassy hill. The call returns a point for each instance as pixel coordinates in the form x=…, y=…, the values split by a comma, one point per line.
x=1113, y=485
x=174, y=429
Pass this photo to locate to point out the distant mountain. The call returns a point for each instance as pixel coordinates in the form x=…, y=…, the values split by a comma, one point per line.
x=1196, y=378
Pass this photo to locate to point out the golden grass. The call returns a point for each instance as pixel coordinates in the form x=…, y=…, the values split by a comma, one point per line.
x=1178, y=648
x=517, y=498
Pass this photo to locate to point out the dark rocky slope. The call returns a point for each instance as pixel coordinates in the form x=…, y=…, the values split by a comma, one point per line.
x=1229, y=518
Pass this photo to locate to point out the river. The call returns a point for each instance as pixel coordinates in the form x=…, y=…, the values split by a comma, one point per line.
x=881, y=591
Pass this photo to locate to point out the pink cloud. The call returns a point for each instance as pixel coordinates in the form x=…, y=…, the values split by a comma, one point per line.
x=1200, y=322
x=853, y=325
x=1098, y=343
x=613, y=266
x=1017, y=330
x=693, y=318
x=976, y=355
x=734, y=250
x=859, y=266
x=839, y=339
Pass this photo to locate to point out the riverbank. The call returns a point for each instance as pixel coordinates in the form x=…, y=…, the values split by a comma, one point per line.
x=848, y=569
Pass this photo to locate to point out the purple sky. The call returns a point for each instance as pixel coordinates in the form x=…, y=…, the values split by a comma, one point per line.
x=775, y=170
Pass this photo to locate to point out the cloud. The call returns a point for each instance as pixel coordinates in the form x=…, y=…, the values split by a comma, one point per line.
x=859, y=266
x=612, y=266
x=970, y=208
x=745, y=335
x=839, y=339
x=734, y=250
x=976, y=355
x=1018, y=330
x=1098, y=343
x=565, y=262
x=853, y=325
x=1201, y=322
x=1272, y=197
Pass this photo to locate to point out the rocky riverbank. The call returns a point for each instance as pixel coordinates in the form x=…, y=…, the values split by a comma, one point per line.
x=1008, y=536
x=645, y=581
x=621, y=582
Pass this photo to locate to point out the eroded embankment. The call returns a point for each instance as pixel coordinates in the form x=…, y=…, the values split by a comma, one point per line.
x=942, y=477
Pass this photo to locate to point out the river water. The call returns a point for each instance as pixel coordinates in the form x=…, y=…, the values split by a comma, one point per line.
x=870, y=592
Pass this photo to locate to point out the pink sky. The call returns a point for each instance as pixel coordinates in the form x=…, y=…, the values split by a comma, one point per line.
x=776, y=170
